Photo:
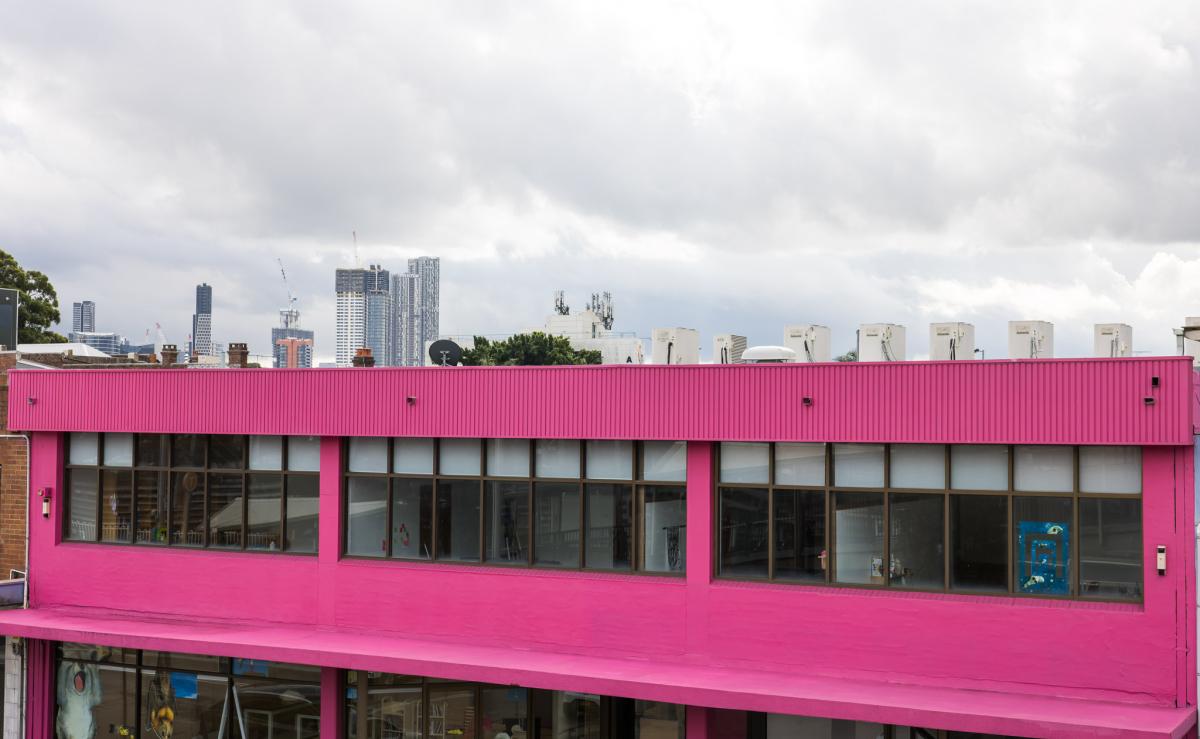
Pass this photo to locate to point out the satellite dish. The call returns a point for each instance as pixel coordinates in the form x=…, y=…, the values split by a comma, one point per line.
x=445, y=353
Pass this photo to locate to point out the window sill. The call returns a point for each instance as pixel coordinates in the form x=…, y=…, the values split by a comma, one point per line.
x=514, y=570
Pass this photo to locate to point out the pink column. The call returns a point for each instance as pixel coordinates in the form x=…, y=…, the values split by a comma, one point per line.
x=329, y=534
x=39, y=688
x=699, y=541
x=697, y=723
x=333, y=719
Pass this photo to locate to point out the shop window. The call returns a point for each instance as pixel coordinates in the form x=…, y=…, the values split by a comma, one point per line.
x=1044, y=540
x=979, y=467
x=508, y=457
x=506, y=522
x=800, y=464
x=858, y=538
x=664, y=461
x=556, y=458
x=412, y=456
x=1110, y=547
x=979, y=543
x=745, y=462
x=917, y=558
x=918, y=466
x=1110, y=469
x=744, y=532
x=1047, y=469
x=799, y=517
x=858, y=465
x=609, y=460
x=459, y=457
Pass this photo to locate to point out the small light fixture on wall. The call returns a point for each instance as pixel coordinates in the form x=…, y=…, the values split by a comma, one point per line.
x=411, y=400
x=31, y=400
x=44, y=494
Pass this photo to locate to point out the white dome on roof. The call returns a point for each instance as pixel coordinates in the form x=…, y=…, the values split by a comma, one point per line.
x=768, y=354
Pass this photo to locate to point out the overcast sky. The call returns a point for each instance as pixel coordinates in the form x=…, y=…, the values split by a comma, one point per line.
x=729, y=167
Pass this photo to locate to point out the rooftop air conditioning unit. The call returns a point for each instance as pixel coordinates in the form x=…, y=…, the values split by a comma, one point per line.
x=728, y=348
x=1030, y=339
x=881, y=342
x=951, y=341
x=809, y=341
x=769, y=355
x=1114, y=340
x=1187, y=339
x=675, y=346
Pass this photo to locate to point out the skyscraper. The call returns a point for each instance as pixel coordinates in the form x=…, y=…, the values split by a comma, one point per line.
x=291, y=345
x=202, y=338
x=83, y=317
x=417, y=306
x=365, y=316
x=428, y=272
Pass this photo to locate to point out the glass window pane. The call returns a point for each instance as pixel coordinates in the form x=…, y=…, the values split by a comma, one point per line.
x=412, y=456
x=655, y=720
x=83, y=491
x=368, y=454
x=227, y=452
x=303, y=512
x=304, y=453
x=744, y=537
x=1110, y=553
x=918, y=551
x=800, y=464
x=979, y=543
x=180, y=661
x=91, y=696
x=1110, y=469
x=459, y=456
x=609, y=459
x=506, y=522
x=576, y=716
x=187, y=509
x=556, y=524
x=279, y=710
x=508, y=457
x=1048, y=469
x=412, y=518
x=151, y=491
x=451, y=712
x=225, y=511
x=153, y=450
x=664, y=461
x=187, y=450
x=84, y=652
x=116, y=506
x=264, y=509
x=197, y=715
x=858, y=465
x=366, y=531
x=800, y=535
x=745, y=462
x=1042, y=527
x=608, y=539
x=556, y=458
x=84, y=449
x=504, y=710
x=118, y=450
x=664, y=528
x=918, y=466
x=393, y=709
x=266, y=452
x=979, y=467
x=858, y=538
x=458, y=519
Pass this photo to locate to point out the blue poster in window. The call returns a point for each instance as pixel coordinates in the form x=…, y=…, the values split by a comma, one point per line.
x=250, y=667
x=184, y=685
x=1043, y=557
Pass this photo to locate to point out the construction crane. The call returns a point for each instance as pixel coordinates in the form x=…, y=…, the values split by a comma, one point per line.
x=283, y=273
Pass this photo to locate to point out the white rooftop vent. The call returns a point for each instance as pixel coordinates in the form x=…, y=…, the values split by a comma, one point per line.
x=768, y=355
x=728, y=348
x=881, y=342
x=951, y=341
x=1114, y=340
x=809, y=341
x=675, y=346
x=1030, y=339
x=1187, y=339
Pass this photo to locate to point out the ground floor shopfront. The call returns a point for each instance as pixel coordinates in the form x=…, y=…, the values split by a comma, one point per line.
x=101, y=691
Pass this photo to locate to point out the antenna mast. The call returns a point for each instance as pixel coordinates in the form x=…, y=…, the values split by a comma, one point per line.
x=602, y=306
x=560, y=304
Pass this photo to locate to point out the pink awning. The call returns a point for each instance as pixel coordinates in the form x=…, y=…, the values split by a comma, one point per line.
x=676, y=682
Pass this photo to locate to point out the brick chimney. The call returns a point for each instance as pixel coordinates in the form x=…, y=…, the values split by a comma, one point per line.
x=170, y=354
x=363, y=358
x=238, y=354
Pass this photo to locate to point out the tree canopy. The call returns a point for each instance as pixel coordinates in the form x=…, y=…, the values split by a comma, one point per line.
x=850, y=356
x=530, y=349
x=39, y=302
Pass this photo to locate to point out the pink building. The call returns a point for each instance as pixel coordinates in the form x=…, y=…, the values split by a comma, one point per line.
x=914, y=549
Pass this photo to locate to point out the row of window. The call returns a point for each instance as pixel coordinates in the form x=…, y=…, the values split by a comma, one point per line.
x=1067, y=523
x=550, y=503
x=1020, y=468
x=257, y=493
x=109, y=691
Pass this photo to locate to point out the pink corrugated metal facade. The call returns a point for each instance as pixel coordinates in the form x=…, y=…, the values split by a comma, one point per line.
x=1035, y=402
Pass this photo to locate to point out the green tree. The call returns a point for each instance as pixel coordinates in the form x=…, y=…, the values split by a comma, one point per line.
x=530, y=349
x=39, y=302
x=850, y=356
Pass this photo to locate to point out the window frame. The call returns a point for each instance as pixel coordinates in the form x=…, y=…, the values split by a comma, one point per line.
x=170, y=469
x=830, y=538
x=635, y=483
